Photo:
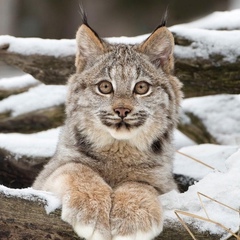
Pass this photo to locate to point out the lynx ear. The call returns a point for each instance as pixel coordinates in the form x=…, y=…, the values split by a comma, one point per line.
x=89, y=46
x=159, y=48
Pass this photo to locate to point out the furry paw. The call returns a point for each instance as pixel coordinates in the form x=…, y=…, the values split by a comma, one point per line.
x=89, y=232
x=88, y=214
x=155, y=231
x=136, y=213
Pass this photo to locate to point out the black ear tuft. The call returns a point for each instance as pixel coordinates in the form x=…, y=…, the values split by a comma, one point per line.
x=164, y=18
x=85, y=20
x=163, y=21
x=83, y=14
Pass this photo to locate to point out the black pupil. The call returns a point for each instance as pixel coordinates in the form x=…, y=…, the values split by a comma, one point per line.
x=105, y=87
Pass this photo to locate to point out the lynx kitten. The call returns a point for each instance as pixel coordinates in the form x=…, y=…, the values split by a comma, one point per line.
x=114, y=155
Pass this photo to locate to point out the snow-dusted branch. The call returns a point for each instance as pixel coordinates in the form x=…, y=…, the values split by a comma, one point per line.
x=36, y=57
x=207, y=60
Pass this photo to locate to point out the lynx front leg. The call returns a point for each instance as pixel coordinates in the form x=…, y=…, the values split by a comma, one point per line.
x=136, y=212
x=86, y=200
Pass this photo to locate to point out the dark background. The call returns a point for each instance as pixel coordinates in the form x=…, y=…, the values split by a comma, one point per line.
x=61, y=18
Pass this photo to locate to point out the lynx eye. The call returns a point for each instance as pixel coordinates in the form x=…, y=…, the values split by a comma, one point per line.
x=105, y=87
x=141, y=88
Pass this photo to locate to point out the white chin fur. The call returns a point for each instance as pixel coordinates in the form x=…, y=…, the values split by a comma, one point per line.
x=122, y=134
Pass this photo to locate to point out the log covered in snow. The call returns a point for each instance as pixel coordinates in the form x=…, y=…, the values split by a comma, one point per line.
x=207, y=60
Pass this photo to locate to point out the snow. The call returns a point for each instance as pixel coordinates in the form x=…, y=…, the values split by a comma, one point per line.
x=42, y=144
x=207, y=43
x=28, y=46
x=228, y=20
x=40, y=97
x=213, y=155
x=181, y=140
x=51, y=202
x=223, y=186
x=220, y=114
x=17, y=82
x=207, y=40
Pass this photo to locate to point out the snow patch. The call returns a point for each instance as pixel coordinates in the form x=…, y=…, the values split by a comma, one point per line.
x=23, y=81
x=40, y=97
x=228, y=20
x=220, y=114
x=49, y=47
x=42, y=144
x=181, y=140
x=221, y=186
x=208, y=43
x=51, y=202
x=210, y=154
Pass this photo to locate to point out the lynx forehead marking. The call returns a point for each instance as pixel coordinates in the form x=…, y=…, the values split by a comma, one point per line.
x=124, y=65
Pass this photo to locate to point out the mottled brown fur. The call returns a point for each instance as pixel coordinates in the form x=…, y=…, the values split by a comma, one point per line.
x=109, y=170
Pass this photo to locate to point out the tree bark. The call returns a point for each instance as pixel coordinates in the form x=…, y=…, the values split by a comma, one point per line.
x=206, y=76
x=6, y=93
x=31, y=122
x=24, y=219
x=196, y=130
x=19, y=171
x=47, y=69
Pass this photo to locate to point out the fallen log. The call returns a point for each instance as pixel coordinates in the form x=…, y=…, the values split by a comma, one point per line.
x=31, y=122
x=211, y=119
x=7, y=93
x=196, y=130
x=27, y=219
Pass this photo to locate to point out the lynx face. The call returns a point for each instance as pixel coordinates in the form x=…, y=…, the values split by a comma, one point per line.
x=123, y=90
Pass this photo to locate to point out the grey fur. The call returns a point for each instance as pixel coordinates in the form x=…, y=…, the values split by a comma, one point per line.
x=139, y=149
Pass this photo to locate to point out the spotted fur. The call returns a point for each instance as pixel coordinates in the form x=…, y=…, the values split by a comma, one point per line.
x=108, y=171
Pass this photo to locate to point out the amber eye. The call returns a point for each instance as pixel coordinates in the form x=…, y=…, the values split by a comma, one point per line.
x=141, y=88
x=105, y=87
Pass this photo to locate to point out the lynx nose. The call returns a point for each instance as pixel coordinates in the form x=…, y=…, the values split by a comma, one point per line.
x=122, y=112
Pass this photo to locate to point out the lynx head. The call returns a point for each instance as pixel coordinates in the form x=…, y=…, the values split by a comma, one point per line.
x=122, y=91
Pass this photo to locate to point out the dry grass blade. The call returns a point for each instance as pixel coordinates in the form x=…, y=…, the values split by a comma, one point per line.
x=239, y=224
x=200, y=199
x=214, y=200
x=177, y=212
x=185, y=225
x=220, y=203
x=196, y=160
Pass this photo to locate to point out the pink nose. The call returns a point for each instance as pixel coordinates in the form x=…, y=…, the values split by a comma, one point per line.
x=122, y=112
